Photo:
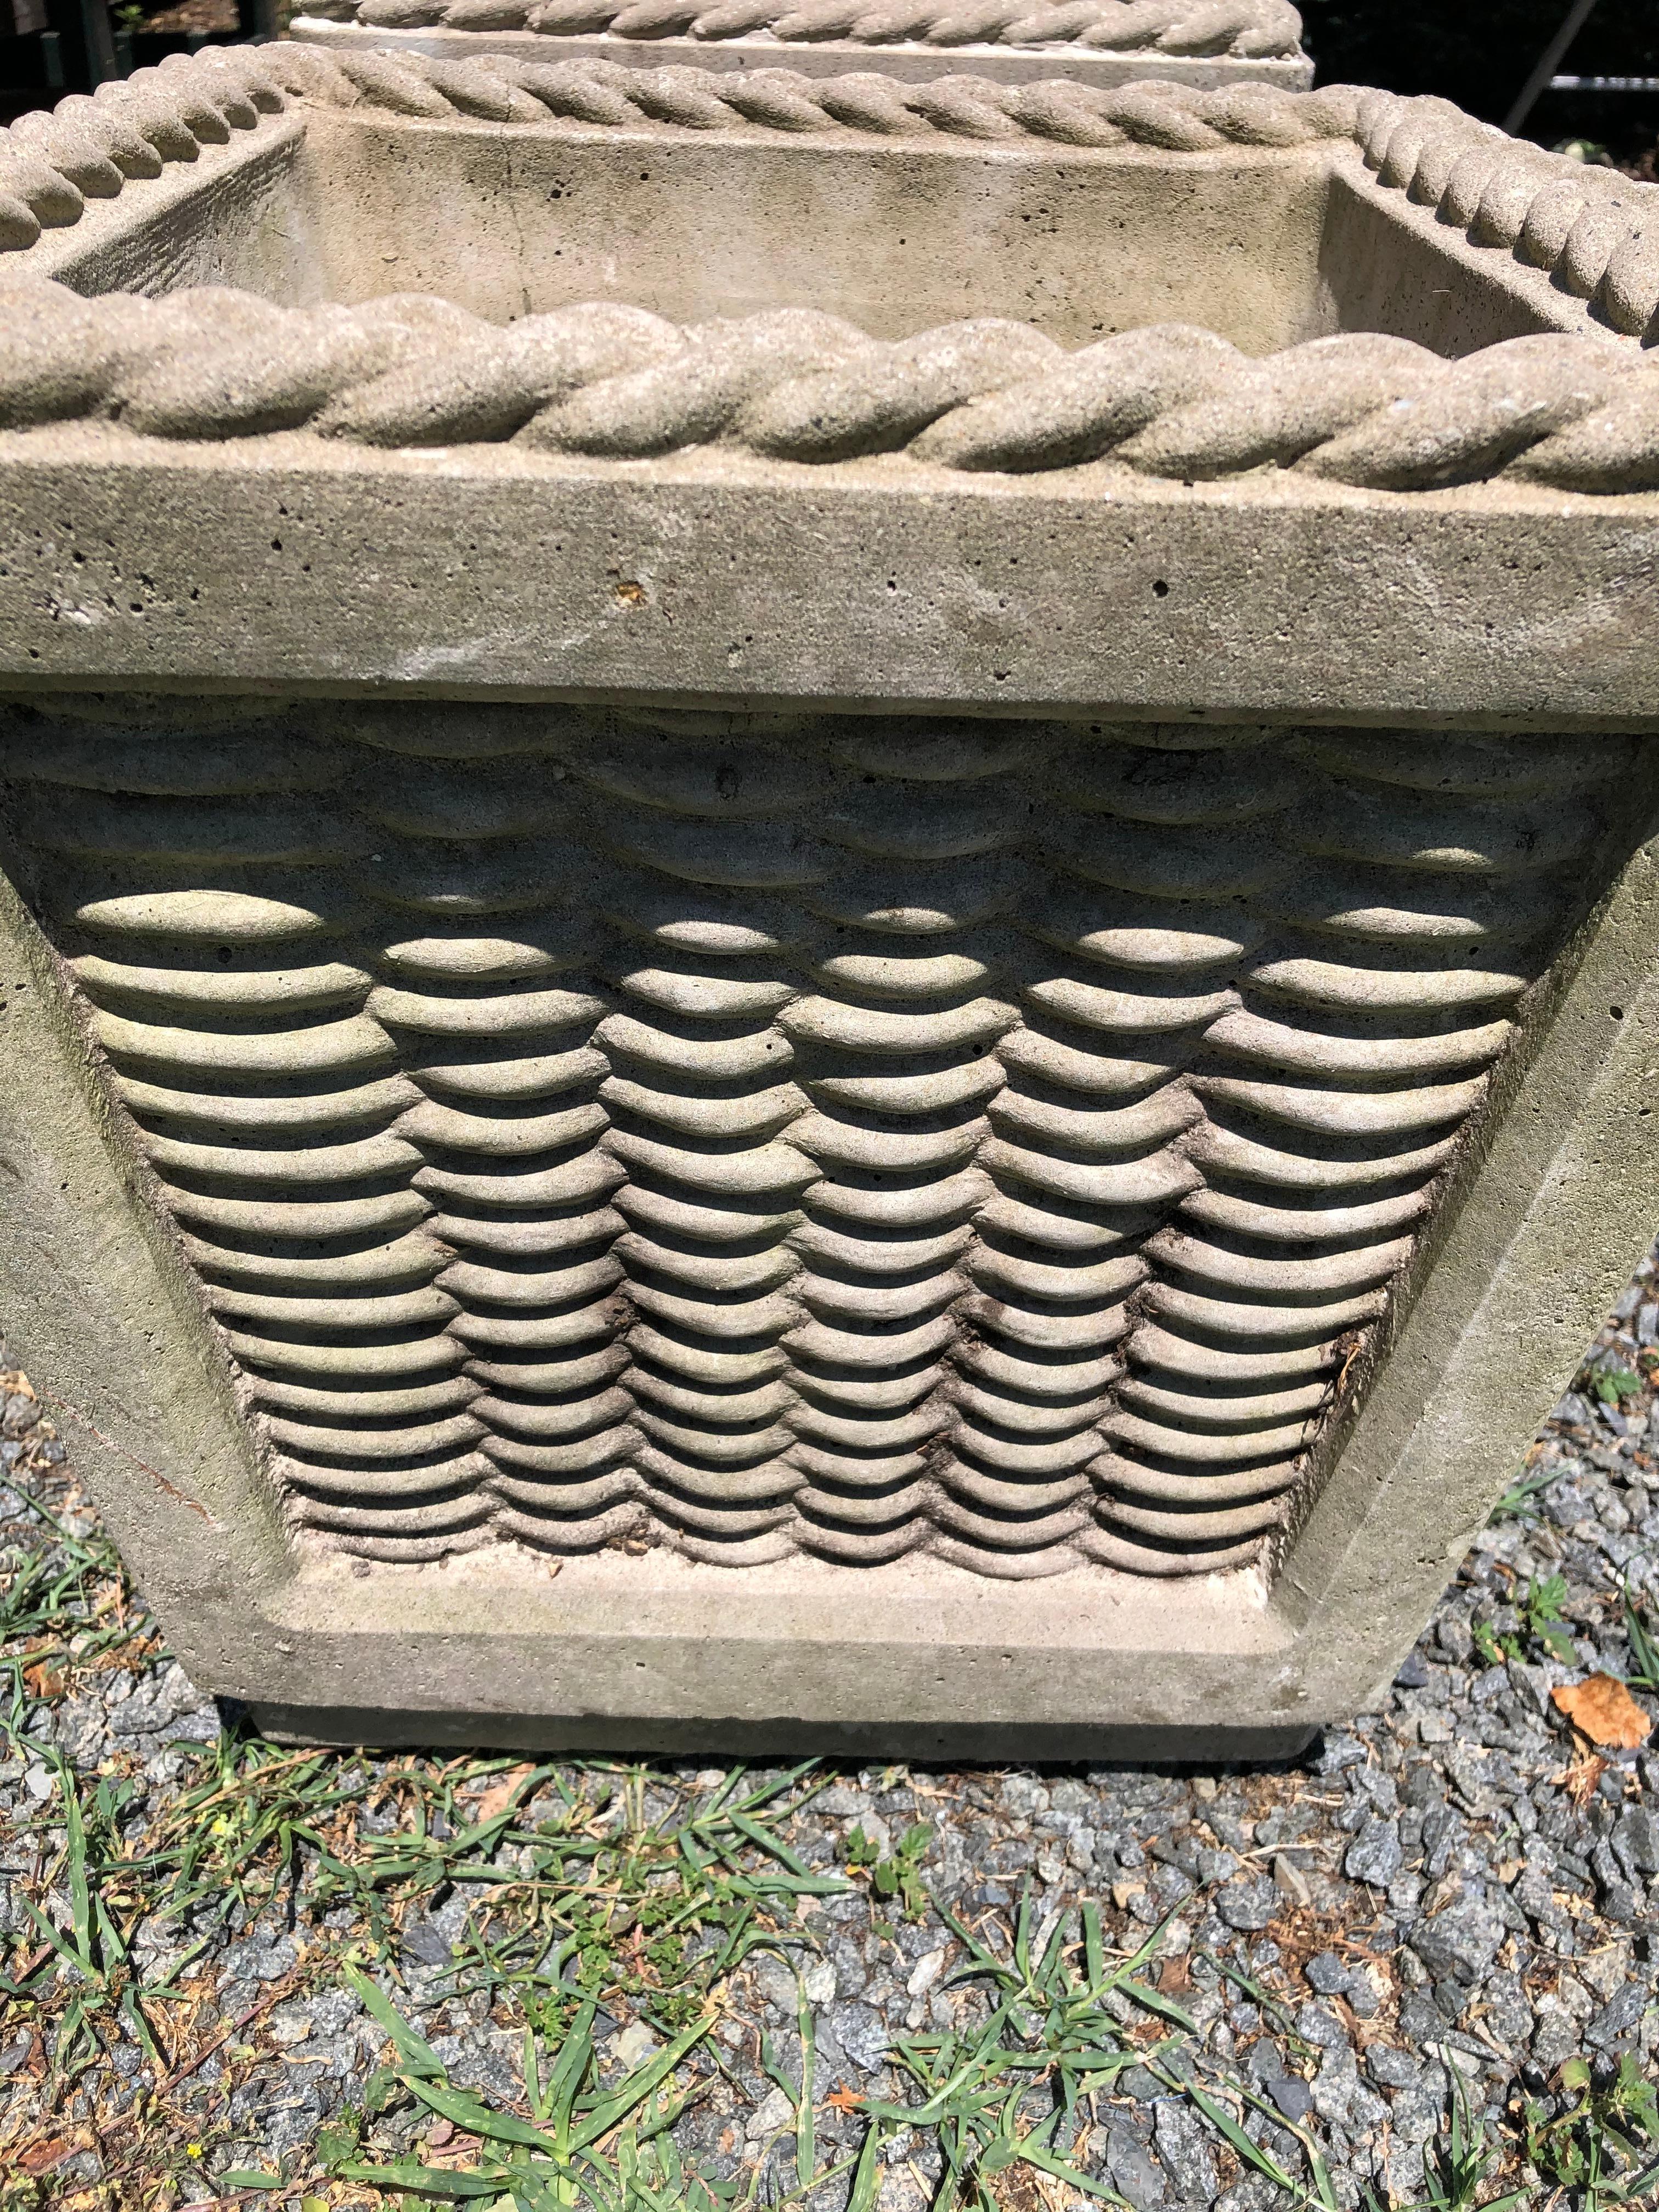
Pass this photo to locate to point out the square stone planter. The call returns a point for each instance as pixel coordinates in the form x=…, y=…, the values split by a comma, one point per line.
x=1098, y=42
x=828, y=912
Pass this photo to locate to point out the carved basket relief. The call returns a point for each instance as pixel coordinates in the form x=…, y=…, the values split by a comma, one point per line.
x=836, y=1134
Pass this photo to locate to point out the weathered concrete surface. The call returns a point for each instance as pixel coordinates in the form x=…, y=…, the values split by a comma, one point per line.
x=946, y=1011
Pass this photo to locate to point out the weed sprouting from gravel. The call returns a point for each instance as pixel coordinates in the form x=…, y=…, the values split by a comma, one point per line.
x=1642, y=1635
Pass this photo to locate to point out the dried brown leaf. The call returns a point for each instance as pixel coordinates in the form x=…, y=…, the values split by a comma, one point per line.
x=1601, y=1709
x=495, y=1799
x=44, y=2157
x=1020, y=2188
x=1579, y=1780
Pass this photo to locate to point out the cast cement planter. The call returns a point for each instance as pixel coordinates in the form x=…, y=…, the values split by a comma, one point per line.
x=1095, y=42
x=734, y=1019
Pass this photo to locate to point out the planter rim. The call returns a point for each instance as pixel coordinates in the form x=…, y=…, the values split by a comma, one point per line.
x=1579, y=226
x=910, y=63
x=616, y=384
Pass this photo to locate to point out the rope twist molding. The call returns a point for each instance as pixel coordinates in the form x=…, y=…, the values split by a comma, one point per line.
x=503, y=88
x=51, y=164
x=619, y=384
x=1243, y=30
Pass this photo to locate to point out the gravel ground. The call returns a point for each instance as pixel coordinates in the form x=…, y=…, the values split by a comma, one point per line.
x=1440, y=1907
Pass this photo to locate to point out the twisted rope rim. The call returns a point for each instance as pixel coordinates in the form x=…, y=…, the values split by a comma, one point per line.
x=50, y=163
x=615, y=383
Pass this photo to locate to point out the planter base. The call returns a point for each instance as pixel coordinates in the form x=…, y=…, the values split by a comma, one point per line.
x=1017, y=1743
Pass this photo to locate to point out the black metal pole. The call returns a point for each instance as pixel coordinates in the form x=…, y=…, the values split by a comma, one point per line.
x=1547, y=63
x=99, y=34
x=85, y=41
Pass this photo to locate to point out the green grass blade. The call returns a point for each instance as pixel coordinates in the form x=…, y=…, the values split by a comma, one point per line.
x=786, y=1885
x=768, y=1790
x=111, y=1947
x=430, y=2180
x=1260, y=1997
x=665, y=2115
x=599, y=2119
x=1023, y=1934
x=867, y=2178
x=1636, y=2186
x=75, y=1842
x=1154, y=2001
x=132, y=2012
x=416, y=2055
x=1047, y=2163
x=711, y=1812
x=765, y=1841
x=1644, y=1645
x=570, y=2067
x=806, y=2141
x=1251, y=2153
x=66, y=1951
x=1094, y=1956
x=1054, y=1951
x=468, y=2112
x=980, y=1959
